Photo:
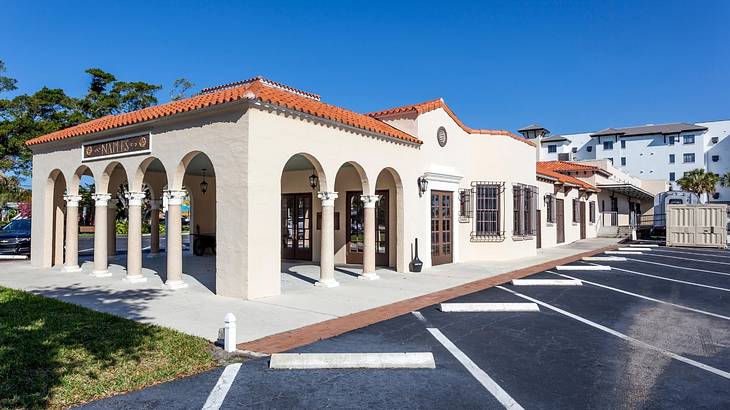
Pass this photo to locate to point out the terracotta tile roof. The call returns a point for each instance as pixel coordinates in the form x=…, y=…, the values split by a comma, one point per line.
x=255, y=89
x=551, y=169
x=567, y=166
x=427, y=106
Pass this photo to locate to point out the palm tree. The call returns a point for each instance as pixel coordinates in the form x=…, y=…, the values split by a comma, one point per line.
x=699, y=182
x=725, y=180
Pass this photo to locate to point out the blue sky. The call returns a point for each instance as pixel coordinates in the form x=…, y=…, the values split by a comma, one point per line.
x=570, y=66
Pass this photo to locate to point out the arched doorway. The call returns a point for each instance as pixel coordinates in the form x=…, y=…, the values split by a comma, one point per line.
x=80, y=219
x=55, y=217
x=389, y=229
x=191, y=220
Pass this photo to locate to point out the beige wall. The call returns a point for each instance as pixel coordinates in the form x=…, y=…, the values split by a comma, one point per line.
x=572, y=229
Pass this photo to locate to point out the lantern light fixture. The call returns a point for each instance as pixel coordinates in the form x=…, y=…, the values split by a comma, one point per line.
x=313, y=180
x=422, y=185
x=204, y=183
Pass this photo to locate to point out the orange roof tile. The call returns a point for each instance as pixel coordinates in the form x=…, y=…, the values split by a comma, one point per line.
x=255, y=89
x=427, y=106
x=551, y=169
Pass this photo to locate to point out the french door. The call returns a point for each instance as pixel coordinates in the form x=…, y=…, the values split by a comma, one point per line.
x=441, y=218
x=356, y=228
x=560, y=220
x=296, y=226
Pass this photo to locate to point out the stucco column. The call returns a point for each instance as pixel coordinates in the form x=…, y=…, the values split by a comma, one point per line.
x=134, y=238
x=174, y=240
x=101, y=269
x=327, y=254
x=368, y=257
x=72, y=233
x=155, y=226
x=112, y=226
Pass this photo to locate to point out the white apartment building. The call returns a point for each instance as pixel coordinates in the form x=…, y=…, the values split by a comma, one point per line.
x=651, y=152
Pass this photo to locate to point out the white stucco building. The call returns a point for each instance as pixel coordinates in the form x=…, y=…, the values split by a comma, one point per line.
x=649, y=152
x=273, y=173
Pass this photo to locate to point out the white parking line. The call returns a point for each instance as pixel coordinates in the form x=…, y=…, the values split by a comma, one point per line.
x=689, y=259
x=489, y=307
x=623, y=336
x=545, y=282
x=673, y=280
x=479, y=374
x=680, y=267
x=622, y=253
x=583, y=267
x=220, y=390
x=704, y=312
x=643, y=245
x=604, y=258
x=305, y=361
x=635, y=249
x=664, y=250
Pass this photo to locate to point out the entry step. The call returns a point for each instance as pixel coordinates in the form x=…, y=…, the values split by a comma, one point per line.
x=546, y=282
x=582, y=267
x=489, y=307
x=409, y=360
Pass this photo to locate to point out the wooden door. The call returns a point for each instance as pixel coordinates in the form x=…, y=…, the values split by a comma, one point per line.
x=582, y=220
x=441, y=225
x=296, y=226
x=560, y=219
x=356, y=228
x=538, y=229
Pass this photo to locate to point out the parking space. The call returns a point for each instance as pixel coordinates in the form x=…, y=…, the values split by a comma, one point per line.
x=640, y=335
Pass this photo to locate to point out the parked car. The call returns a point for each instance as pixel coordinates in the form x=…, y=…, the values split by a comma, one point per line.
x=15, y=237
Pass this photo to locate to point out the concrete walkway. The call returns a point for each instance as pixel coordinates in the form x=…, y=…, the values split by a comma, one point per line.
x=196, y=310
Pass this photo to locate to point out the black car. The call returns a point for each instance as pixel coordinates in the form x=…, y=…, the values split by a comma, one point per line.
x=15, y=238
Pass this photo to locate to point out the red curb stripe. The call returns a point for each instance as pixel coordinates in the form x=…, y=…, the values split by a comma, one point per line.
x=303, y=336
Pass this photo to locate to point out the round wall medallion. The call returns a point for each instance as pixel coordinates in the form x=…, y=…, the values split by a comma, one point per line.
x=441, y=136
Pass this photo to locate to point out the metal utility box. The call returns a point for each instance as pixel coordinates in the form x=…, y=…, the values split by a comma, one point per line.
x=700, y=225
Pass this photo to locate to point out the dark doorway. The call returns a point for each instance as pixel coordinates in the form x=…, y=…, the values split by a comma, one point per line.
x=441, y=238
x=582, y=220
x=538, y=229
x=296, y=226
x=356, y=228
x=560, y=219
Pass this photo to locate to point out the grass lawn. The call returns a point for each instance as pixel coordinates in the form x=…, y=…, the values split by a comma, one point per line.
x=55, y=354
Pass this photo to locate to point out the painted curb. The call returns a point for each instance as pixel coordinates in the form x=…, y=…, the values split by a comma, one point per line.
x=415, y=360
x=546, y=282
x=579, y=267
x=489, y=307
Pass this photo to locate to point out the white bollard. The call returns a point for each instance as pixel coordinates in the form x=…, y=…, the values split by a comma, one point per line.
x=229, y=336
x=633, y=234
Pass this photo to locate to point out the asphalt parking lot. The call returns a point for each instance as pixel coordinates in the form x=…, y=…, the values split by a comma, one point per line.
x=653, y=332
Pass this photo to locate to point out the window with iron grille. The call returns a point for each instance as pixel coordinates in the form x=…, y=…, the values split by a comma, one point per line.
x=525, y=209
x=465, y=205
x=592, y=211
x=488, y=212
x=550, y=208
x=576, y=210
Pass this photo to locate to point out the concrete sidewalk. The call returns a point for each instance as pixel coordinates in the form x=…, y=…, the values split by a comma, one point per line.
x=196, y=310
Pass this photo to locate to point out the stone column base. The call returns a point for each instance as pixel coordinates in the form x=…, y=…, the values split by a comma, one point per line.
x=101, y=274
x=135, y=278
x=327, y=284
x=71, y=269
x=176, y=284
x=369, y=276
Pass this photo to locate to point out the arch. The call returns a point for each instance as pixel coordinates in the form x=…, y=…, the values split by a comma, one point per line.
x=112, y=169
x=55, y=218
x=140, y=176
x=83, y=170
x=364, y=180
x=176, y=182
x=396, y=244
x=318, y=168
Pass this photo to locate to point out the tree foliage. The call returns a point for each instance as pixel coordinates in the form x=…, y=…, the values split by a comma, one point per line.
x=180, y=88
x=28, y=116
x=699, y=181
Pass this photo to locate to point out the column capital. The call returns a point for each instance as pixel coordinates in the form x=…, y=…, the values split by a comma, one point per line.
x=135, y=198
x=155, y=203
x=101, y=198
x=72, y=200
x=369, y=200
x=174, y=197
x=328, y=198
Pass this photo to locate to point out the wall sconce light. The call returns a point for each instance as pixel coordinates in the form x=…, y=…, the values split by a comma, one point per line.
x=313, y=180
x=422, y=186
x=204, y=184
